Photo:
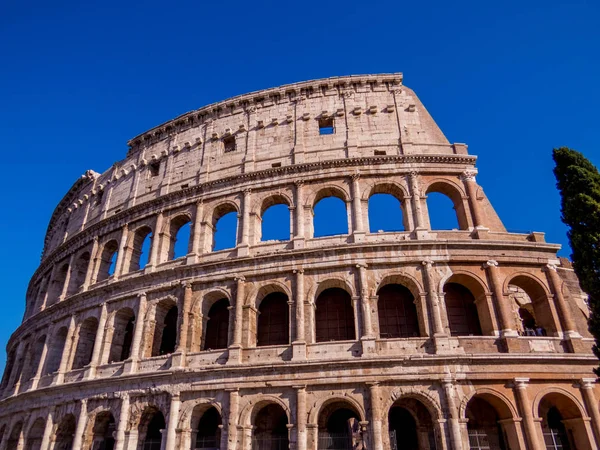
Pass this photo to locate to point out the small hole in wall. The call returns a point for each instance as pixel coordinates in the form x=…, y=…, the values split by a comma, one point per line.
x=99, y=197
x=154, y=168
x=117, y=211
x=229, y=144
x=276, y=164
x=185, y=186
x=380, y=153
x=326, y=125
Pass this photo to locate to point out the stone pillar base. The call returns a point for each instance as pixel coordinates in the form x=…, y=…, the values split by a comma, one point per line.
x=481, y=233
x=178, y=360
x=369, y=346
x=243, y=250
x=358, y=236
x=512, y=344
x=298, y=351
x=298, y=242
x=130, y=366
x=577, y=345
x=420, y=234
x=192, y=258
x=235, y=355
x=444, y=345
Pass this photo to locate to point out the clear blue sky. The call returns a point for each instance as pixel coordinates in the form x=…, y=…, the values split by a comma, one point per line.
x=512, y=79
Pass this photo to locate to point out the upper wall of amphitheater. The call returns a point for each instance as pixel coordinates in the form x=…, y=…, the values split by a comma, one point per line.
x=372, y=116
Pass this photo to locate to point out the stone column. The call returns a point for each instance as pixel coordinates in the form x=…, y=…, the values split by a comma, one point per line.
x=42, y=362
x=563, y=308
x=13, y=373
x=234, y=405
x=438, y=326
x=123, y=418
x=183, y=329
x=95, y=362
x=65, y=288
x=502, y=305
x=524, y=405
x=468, y=178
x=358, y=228
x=416, y=199
x=155, y=245
x=235, y=353
x=91, y=265
x=173, y=419
x=137, y=332
x=64, y=359
x=299, y=344
x=376, y=416
x=81, y=422
x=364, y=299
x=45, y=445
x=121, y=254
x=453, y=419
x=591, y=405
x=245, y=238
x=197, y=232
x=299, y=211
x=301, y=417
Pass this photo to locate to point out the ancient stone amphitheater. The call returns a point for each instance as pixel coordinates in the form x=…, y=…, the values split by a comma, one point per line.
x=411, y=338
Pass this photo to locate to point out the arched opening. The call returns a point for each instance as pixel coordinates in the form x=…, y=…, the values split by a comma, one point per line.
x=483, y=427
x=15, y=436
x=102, y=433
x=225, y=223
x=180, y=237
x=563, y=426
x=31, y=368
x=397, y=312
x=20, y=363
x=270, y=429
x=339, y=427
x=41, y=295
x=529, y=302
x=56, y=350
x=330, y=217
x=275, y=223
x=209, y=429
x=385, y=213
x=410, y=425
x=165, y=331
x=463, y=318
x=108, y=260
x=10, y=362
x=124, y=324
x=140, y=249
x=63, y=438
x=78, y=273
x=149, y=430
x=446, y=208
x=2, y=433
x=85, y=343
x=334, y=316
x=273, y=327
x=35, y=435
x=217, y=326
x=57, y=284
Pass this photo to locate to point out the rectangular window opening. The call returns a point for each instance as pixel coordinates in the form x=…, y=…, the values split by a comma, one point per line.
x=229, y=144
x=185, y=186
x=276, y=164
x=154, y=168
x=380, y=153
x=326, y=125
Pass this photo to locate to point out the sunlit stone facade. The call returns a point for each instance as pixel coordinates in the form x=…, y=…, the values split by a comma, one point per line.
x=415, y=338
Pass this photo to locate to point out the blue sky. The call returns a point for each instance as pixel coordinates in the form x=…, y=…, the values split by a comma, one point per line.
x=77, y=80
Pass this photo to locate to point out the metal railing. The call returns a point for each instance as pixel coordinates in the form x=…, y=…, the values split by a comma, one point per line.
x=270, y=442
x=334, y=441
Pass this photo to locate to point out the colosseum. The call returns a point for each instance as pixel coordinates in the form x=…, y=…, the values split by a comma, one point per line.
x=414, y=338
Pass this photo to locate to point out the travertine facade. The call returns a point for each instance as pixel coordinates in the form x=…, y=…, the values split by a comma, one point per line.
x=413, y=339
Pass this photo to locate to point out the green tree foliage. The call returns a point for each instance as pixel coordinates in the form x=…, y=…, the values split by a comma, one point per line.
x=578, y=181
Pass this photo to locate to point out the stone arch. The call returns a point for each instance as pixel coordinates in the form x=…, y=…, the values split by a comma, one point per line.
x=151, y=421
x=559, y=391
x=99, y=429
x=260, y=290
x=266, y=201
x=329, y=190
x=385, y=187
x=78, y=272
x=320, y=405
x=55, y=352
x=428, y=400
x=135, y=245
x=411, y=283
x=375, y=211
x=16, y=434
x=281, y=230
x=253, y=406
x=215, y=215
x=496, y=398
x=122, y=321
x=490, y=418
x=478, y=289
x=342, y=221
x=107, y=261
x=85, y=342
x=171, y=232
x=330, y=282
x=188, y=410
x=165, y=334
x=540, y=296
x=456, y=195
x=64, y=431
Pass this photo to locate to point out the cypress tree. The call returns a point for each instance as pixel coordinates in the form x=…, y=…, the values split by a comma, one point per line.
x=578, y=181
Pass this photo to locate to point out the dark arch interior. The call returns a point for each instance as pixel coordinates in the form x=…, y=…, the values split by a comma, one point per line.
x=104, y=428
x=483, y=426
x=85, y=343
x=403, y=429
x=169, y=334
x=209, y=430
x=334, y=316
x=397, y=312
x=217, y=326
x=270, y=431
x=273, y=327
x=462, y=312
x=65, y=432
x=155, y=423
